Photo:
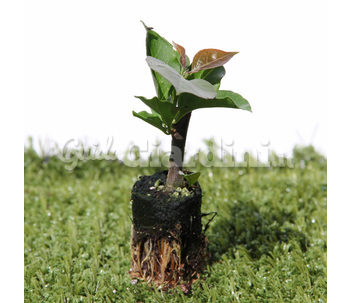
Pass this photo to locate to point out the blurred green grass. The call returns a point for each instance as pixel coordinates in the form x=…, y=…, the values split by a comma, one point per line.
x=268, y=242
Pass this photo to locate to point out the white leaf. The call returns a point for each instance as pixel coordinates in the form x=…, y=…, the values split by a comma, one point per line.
x=197, y=87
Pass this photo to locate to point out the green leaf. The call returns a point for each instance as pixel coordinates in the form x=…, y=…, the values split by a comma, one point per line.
x=224, y=98
x=197, y=87
x=213, y=76
x=152, y=119
x=160, y=48
x=235, y=98
x=165, y=109
x=210, y=58
x=191, y=178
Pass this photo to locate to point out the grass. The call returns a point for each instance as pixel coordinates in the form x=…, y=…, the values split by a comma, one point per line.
x=267, y=243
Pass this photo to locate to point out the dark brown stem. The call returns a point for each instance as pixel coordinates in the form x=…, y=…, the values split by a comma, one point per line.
x=178, y=141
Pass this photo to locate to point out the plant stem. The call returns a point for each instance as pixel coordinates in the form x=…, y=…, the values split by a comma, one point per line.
x=178, y=141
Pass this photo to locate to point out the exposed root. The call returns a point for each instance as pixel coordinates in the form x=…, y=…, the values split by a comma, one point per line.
x=164, y=262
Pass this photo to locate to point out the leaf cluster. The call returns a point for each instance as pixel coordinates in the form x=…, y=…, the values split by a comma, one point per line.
x=182, y=87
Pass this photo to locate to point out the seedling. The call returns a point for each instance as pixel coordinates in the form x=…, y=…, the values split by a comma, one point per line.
x=168, y=243
x=183, y=87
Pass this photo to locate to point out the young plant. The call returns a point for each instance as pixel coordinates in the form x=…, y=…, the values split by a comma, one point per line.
x=183, y=87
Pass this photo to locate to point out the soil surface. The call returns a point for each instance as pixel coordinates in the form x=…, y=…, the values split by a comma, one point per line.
x=152, y=207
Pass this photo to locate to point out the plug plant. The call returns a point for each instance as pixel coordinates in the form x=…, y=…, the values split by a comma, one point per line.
x=168, y=243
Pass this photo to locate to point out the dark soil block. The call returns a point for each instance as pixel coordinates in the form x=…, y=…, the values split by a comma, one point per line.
x=168, y=244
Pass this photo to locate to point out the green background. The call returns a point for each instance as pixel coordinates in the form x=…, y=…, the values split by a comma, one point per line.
x=267, y=243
